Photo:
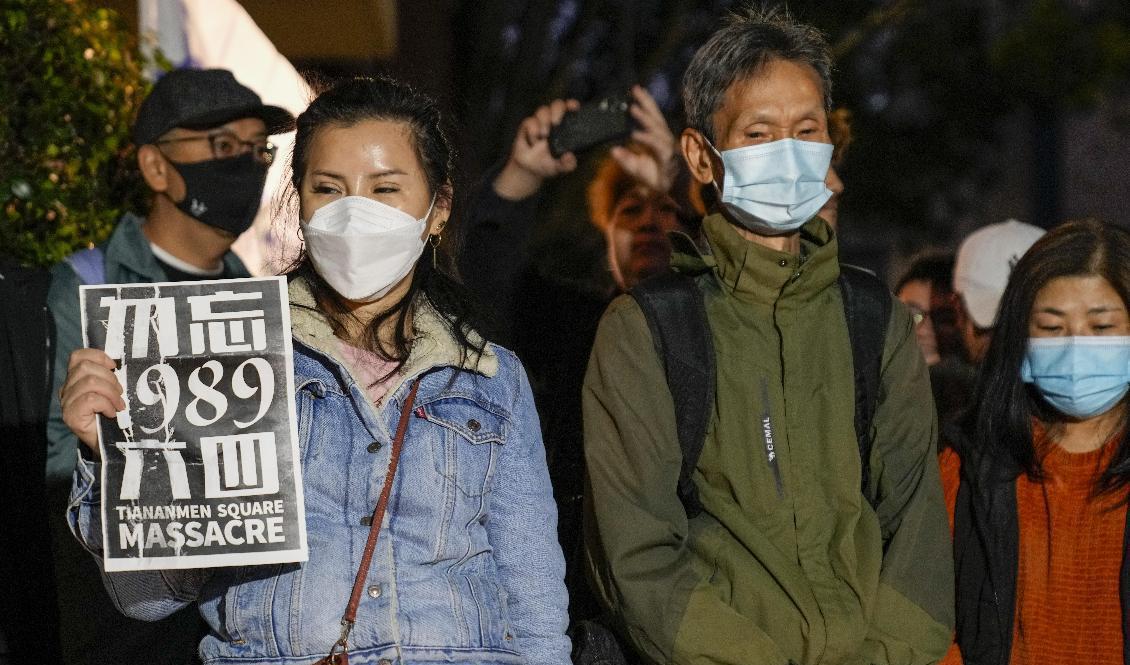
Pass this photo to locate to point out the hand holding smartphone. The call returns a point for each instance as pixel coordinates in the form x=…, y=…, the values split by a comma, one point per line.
x=606, y=119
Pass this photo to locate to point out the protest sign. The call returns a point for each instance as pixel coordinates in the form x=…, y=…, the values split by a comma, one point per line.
x=202, y=467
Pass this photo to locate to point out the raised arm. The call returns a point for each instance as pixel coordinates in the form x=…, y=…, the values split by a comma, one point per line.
x=502, y=212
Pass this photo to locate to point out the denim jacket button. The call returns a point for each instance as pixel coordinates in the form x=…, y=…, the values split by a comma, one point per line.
x=384, y=661
x=473, y=425
x=366, y=520
x=375, y=591
x=374, y=446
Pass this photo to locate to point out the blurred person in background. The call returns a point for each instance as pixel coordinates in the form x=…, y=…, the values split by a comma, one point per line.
x=633, y=200
x=984, y=261
x=1037, y=487
x=927, y=289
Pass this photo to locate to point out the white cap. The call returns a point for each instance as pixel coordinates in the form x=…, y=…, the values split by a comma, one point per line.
x=984, y=262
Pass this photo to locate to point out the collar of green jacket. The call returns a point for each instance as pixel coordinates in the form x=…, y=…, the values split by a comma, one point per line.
x=755, y=273
x=129, y=248
x=434, y=345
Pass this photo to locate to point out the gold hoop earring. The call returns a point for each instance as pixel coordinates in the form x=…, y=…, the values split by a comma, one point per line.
x=434, y=241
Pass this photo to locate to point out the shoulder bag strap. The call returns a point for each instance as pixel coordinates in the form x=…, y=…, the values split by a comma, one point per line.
x=337, y=655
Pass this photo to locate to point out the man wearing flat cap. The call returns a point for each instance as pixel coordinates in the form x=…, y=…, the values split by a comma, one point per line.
x=203, y=150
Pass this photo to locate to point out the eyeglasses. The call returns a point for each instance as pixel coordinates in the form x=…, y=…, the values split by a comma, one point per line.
x=226, y=145
x=917, y=315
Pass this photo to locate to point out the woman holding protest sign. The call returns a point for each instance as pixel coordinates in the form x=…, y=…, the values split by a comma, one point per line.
x=401, y=405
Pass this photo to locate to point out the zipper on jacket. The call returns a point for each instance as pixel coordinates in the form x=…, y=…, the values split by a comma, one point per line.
x=768, y=440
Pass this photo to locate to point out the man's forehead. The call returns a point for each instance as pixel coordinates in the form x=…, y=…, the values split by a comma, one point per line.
x=800, y=79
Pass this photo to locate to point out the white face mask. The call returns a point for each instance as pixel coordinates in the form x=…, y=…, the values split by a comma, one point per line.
x=774, y=188
x=362, y=247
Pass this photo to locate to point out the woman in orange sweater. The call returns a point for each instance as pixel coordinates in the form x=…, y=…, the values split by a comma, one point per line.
x=1037, y=486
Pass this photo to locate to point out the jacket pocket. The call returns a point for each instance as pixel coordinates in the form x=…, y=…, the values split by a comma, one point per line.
x=465, y=440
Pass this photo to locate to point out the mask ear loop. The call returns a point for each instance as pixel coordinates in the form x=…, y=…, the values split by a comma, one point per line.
x=714, y=180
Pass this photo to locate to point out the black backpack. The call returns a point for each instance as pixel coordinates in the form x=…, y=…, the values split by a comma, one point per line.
x=676, y=314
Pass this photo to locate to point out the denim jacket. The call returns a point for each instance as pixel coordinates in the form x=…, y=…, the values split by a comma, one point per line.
x=467, y=567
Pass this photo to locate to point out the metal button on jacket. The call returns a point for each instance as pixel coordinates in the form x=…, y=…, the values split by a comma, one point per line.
x=473, y=425
x=375, y=591
x=374, y=446
x=366, y=520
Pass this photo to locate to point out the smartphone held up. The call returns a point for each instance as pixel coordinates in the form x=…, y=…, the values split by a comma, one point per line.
x=606, y=119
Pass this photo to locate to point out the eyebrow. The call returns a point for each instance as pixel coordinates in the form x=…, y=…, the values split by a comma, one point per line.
x=377, y=174
x=226, y=130
x=767, y=118
x=1101, y=309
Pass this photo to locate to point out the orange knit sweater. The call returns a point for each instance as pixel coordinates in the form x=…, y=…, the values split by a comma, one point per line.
x=1067, y=600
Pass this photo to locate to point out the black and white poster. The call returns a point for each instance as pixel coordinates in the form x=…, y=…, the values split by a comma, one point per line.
x=202, y=467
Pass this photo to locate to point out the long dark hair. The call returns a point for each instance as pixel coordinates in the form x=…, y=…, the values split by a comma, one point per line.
x=381, y=98
x=1001, y=420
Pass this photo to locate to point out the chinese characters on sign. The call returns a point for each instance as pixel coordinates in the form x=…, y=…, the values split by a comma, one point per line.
x=202, y=467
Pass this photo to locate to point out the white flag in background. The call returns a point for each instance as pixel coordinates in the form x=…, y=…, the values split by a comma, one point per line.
x=207, y=34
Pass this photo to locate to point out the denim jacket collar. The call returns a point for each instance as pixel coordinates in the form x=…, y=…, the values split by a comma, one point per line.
x=434, y=344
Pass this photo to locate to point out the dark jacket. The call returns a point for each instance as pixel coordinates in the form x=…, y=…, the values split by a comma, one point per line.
x=986, y=549
x=549, y=319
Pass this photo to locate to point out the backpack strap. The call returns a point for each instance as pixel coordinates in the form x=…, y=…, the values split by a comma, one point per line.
x=867, y=307
x=676, y=315
x=89, y=265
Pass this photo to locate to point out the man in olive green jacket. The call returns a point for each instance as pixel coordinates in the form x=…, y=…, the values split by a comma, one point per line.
x=788, y=561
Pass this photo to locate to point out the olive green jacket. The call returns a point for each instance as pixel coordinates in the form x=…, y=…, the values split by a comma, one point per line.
x=788, y=561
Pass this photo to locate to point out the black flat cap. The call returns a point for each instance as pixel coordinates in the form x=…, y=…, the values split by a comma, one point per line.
x=202, y=99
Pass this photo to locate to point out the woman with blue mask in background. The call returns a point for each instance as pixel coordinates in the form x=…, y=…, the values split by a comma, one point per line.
x=429, y=511
x=1037, y=489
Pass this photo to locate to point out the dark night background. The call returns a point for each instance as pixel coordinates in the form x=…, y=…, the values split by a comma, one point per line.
x=965, y=112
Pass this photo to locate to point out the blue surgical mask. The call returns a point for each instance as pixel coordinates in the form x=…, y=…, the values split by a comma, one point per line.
x=774, y=188
x=1081, y=377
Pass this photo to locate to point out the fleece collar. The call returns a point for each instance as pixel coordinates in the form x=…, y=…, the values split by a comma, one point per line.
x=433, y=346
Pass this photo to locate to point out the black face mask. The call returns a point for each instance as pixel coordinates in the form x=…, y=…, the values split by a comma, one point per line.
x=223, y=193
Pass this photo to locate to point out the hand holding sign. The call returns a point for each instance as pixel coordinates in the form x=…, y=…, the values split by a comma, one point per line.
x=91, y=388
x=195, y=390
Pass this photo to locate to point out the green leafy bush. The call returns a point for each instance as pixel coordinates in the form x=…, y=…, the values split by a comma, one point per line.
x=72, y=81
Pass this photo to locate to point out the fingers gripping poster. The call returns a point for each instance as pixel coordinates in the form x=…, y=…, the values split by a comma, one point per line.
x=202, y=467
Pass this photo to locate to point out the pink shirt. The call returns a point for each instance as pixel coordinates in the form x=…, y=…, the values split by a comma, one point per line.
x=369, y=368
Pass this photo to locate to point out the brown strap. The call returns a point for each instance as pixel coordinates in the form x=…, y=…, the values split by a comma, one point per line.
x=375, y=526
